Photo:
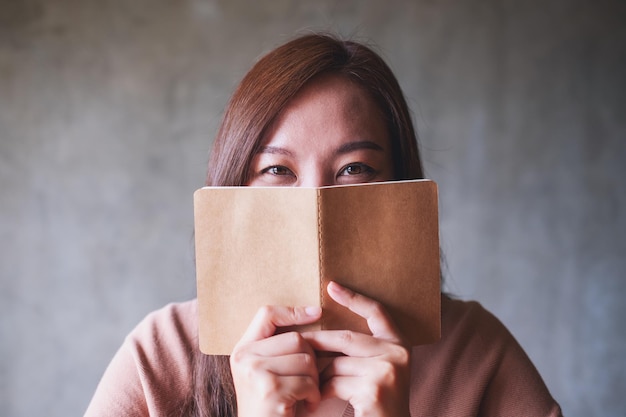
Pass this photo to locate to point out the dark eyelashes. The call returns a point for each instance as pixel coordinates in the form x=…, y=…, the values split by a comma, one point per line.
x=354, y=169
x=358, y=168
x=277, y=170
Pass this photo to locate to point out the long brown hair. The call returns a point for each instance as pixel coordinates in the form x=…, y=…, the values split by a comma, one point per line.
x=265, y=91
x=260, y=97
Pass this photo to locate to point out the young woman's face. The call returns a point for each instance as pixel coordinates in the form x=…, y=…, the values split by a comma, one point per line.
x=331, y=133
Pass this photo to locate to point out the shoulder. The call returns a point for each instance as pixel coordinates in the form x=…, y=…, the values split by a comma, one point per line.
x=171, y=327
x=478, y=363
x=470, y=321
x=471, y=337
x=163, y=345
x=151, y=372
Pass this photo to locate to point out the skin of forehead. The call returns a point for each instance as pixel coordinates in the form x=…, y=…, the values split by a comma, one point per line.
x=360, y=112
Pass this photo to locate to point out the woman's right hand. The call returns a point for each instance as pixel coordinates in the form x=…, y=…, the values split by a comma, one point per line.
x=273, y=372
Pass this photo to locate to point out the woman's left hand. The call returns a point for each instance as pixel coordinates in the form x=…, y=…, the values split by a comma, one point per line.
x=374, y=374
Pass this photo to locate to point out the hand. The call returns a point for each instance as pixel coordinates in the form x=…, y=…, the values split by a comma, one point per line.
x=374, y=374
x=272, y=373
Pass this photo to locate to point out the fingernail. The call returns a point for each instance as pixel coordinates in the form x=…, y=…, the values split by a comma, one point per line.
x=313, y=310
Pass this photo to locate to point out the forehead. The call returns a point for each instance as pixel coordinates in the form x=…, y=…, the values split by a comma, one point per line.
x=337, y=90
x=332, y=105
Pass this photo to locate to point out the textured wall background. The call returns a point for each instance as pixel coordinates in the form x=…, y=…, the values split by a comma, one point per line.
x=107, y=110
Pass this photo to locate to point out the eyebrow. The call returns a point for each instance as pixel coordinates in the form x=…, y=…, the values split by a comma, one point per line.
x=275, y=150
x=343, y=149
x=357, y=145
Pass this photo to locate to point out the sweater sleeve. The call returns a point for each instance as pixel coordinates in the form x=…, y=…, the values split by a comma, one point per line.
x=150, y=375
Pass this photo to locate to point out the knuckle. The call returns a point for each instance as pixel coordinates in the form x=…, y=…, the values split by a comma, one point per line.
x=294, y=314
x=308, y=362
x=294, y=339
x=378, y=309
x=387, y=370
x=268, y=386
x=297, y=342
x=351, y=295
x=265, y=311
x=306, y=359
x=242, y=362
x=399, y=354
x=255, y=365
x=346, y=337
x=392, y=371
x=402, y=355
x=375, y=393
x=309, y=382
x=282, y=409
x=237, y=357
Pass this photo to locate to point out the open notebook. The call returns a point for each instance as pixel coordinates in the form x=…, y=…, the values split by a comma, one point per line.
x=260, y=246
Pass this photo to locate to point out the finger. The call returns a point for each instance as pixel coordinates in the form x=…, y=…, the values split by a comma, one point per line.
x=378, y=320
x=268, y=318
x=349, y=343
x=299, y=388
x=278, y=345
x=347, y=366
x=342, y=387
x=297, y=364
x=388, y=399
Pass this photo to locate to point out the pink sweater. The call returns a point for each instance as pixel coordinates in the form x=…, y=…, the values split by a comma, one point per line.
x=476, y=369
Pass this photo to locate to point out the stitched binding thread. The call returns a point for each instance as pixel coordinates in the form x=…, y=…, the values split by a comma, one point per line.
x=320, y=254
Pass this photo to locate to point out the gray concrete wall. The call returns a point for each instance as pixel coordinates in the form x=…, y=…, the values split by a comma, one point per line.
x=107, y=110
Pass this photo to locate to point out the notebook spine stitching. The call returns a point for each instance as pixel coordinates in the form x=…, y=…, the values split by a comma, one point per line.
x=320, y=254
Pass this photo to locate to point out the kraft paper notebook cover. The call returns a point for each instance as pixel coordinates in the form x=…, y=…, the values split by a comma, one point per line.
x=260, y=246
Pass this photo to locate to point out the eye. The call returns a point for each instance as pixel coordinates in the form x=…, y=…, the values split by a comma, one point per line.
x=277, y=170
x=356, y=169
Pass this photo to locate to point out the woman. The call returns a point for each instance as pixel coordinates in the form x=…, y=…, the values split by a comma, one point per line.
x=320, y=111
